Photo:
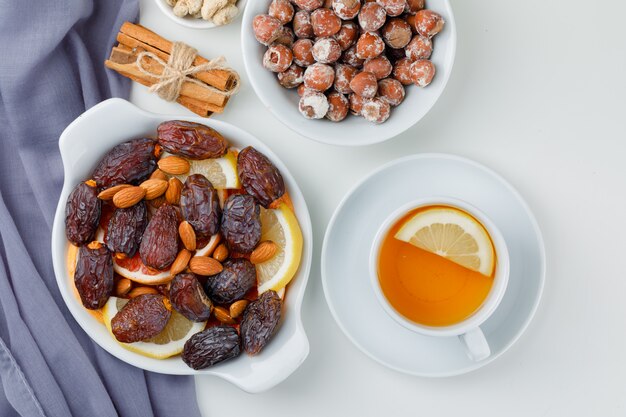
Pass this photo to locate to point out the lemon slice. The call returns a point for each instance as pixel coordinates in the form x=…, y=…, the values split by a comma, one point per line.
x=453, y=234
x=281, y=227
x=168, y=343
x=222, y=172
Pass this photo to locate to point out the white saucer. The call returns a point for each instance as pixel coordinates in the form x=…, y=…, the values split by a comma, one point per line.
x=351, y=231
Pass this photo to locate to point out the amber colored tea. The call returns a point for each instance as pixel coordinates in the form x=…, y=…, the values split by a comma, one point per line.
x=425, y=288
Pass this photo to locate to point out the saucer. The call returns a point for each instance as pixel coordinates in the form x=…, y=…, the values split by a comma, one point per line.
x=350, y=234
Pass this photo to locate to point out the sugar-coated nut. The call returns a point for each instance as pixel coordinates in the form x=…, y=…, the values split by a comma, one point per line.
x=313, y=105
x=346, y=9
x=266, y=28
x=369, y=45
x=376, y=110
x=422, y=72
x=379, y=66
x=396, y=33
x=303, y=52
x=372, y=17
x=402, y=71
x=326, y=50
x=414, y=6
x=350, y=57
x=393, y=7
x=282, y=10
x=391, y=91
x=356, y=103
x=420, y=47
x=277, y=58
x=292, y=77
x=428, y=23
x=325, y=22
x=302, y=24
x=308, y=5
x=338, y=107
x=347, y=35
x=364, y=84
x=285, y=37
x=343, y=75
x=319, y=77
x=302, y=90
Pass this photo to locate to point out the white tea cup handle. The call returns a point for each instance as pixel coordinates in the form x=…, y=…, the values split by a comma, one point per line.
x=476, y=345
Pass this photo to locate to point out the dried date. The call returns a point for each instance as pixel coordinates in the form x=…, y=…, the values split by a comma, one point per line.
x=259, y=177
x=260, y=320
x=200, y=205
x=94, y=276
x=143, y=317
x=82, y=214
x=191, y=140
x=159, y=244
x=189, y=299
x=125, y=229
x=128, y=163
x=211, y=346
x=241, y=224
x=235, y=280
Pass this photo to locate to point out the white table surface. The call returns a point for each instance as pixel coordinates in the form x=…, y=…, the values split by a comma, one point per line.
x=538, y=93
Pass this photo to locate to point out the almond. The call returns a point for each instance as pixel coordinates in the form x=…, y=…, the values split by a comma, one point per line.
x=222, y=315
x=237, y=308
x=110, y=192
x=174, y=165
x=203, y=265
x=172, y=194
x=158, y=175
x=187, y=235
x=154, y=188
x=180, y=263
x=220, y=253
x=128, y=197
x=123, y=286
x=137, y=291
x=263, y=252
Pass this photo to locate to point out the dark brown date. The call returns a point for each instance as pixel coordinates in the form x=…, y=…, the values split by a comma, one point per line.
x=189, y=299
x=241, y=224
x=191, y=140
x=259, y=322
x=128, y=163
x=211, y=346
x=94, y=276
x=159, y=244
x=125, y=229
x=141, y=318
x=82, y=214
x=259, y=177
x=235, y=280
x=200, y=205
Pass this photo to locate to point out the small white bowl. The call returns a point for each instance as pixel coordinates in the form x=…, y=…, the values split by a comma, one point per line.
x=192, y=22
x=83, y=143
x=353, y=131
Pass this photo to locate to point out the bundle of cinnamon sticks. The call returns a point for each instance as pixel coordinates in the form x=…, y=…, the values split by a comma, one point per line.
x=134, y=39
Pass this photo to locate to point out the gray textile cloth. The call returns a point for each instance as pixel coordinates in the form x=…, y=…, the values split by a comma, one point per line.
x=51, y=70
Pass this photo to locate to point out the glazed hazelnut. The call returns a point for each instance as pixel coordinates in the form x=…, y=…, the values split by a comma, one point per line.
x=325, y=22
x=346, y=9
x=326, y=50
x=302, y=89
x=308, y=5
x=428, y=23
x=266, y=28
x=343, y=76
x=420, y=47
x=372, y=17
x=396, y=33
x=302, y=24
x=379, y=66
x=391, y=91
x=313, y=105
x=376, y=110
x=369, y=45
x=350, y=57
x=338, y=106
x=347, y=35
x=319, y=77
x=303, y=52
x=277, y=58
x=410, y=19
x=281, y=10
x=356, y=103
x=285, y=37
x=292, y=77
x=422, y=72
x=414, y=6
x=364, y=84
x=393, y=7
x=402, y=71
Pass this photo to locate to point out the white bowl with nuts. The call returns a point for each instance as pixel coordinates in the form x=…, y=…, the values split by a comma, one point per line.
x=202, y=14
